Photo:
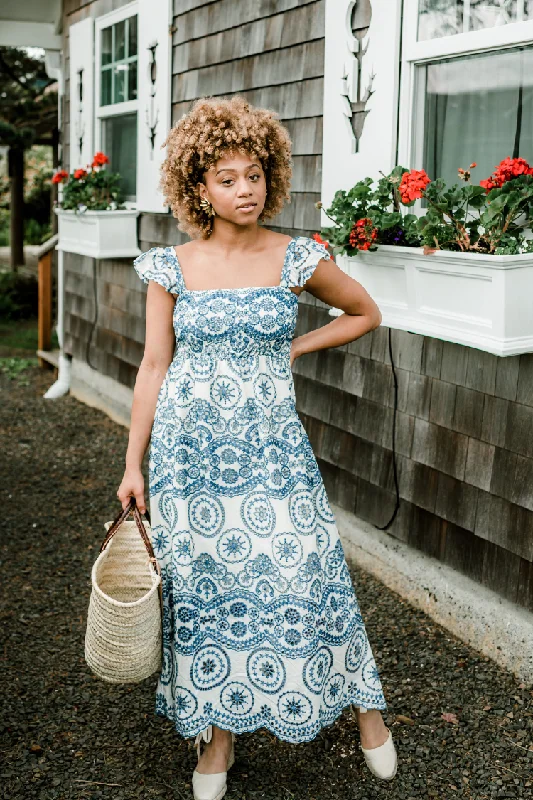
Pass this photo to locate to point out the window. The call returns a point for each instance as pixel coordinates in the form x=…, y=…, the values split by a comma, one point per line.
x=467, y=85
x=483, y=118
x=438, y=18
x=119, y=62
x=117, y=59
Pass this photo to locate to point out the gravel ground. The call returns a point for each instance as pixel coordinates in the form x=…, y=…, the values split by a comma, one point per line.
x=66, y=734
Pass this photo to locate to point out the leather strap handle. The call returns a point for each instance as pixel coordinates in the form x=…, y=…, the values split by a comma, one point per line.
x=117, y=522
x=119, y=519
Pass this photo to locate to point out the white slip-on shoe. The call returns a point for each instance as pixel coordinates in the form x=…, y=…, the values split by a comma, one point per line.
x=382, y=761
x=210, y=785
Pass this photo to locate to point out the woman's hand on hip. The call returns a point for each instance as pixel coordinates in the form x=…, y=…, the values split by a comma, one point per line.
x=293, y=353
x=132, y=486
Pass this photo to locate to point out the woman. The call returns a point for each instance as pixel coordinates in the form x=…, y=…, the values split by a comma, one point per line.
x=261, y=626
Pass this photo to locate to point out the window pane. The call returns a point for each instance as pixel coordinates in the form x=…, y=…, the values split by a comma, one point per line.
x=119, y=136
x=447, y=17
x=120, y=41
x=105, y=98
x=132, y=37
x=478, y=108
x=107, y=39
x=132, y=80
x=489, y=13
x=438, y=18
x=119, y=62
x=119, y=77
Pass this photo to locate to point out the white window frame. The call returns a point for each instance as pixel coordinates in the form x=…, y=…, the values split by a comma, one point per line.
x=416, y=54
x=116, y=109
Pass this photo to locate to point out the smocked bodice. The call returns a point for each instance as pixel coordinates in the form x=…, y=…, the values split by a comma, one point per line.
x=235, y=324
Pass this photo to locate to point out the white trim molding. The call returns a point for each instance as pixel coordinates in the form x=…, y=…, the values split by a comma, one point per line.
x=81, y=108
x=18, y=33
x=361, y=74
x=154, y=96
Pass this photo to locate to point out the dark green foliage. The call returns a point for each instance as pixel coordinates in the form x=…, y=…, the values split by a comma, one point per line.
x=379, y=202
x=29, y=107
x=468, y=219
x=38, y=201
x=18, y=296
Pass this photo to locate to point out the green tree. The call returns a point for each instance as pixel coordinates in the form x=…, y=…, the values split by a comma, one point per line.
x=28, y=115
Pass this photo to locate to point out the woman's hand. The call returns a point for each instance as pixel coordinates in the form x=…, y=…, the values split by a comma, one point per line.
x=132, y=485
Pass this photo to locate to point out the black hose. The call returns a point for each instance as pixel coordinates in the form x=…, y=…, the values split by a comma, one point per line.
x=394, y=468
x=93, y=325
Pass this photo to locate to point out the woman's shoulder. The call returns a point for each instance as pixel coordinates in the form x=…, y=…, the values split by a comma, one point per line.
x=159, y=264
x=152, y=254
x=306, y=254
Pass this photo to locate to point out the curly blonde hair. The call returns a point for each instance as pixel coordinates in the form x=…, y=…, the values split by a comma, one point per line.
x=212, y=128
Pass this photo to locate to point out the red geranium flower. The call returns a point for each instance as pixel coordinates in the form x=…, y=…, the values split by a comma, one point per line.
x=363, y=234
x=506, y=170
x=317, y=237
x=99, y=160
x=60, y=176
x=412, y=185
x=80, y=173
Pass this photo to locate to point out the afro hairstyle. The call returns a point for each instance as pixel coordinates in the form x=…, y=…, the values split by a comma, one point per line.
x=213, y=128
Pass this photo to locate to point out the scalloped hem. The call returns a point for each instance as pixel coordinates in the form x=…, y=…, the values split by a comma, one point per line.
x=264, y=723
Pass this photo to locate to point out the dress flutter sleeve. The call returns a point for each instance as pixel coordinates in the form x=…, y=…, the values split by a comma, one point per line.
x=306, y=255
x=158, y=264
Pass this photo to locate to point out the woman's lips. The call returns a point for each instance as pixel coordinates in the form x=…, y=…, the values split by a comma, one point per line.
x=246, y=208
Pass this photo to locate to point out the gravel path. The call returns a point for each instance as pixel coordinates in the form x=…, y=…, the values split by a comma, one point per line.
x=65, y=734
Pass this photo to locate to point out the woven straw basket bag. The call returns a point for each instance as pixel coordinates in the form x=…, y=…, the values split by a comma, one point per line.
x=123, y=639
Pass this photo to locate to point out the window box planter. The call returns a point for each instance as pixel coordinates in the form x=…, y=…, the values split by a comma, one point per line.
x=476, y=300
x=99, y=234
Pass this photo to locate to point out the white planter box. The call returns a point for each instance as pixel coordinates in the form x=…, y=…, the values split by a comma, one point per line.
x=476, y=300
x=99, y=234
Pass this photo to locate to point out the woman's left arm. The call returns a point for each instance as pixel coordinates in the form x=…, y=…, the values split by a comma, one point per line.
x=333, y=286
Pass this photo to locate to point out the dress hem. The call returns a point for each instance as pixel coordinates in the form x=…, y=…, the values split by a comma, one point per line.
x=265, y=724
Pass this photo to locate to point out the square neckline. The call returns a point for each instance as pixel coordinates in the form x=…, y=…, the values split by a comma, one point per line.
x=184, y=290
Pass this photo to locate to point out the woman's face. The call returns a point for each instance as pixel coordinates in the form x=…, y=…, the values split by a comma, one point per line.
x=237, y=180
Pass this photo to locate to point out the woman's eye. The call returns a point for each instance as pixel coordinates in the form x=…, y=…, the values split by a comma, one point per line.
x=229, y=180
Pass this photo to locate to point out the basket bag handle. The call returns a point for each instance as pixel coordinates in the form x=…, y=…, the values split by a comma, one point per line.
x=117, y=522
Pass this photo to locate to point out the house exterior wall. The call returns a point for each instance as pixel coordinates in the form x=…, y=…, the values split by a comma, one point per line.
x=464, y=424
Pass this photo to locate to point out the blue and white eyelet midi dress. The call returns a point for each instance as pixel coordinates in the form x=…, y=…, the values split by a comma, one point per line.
x=261, y=624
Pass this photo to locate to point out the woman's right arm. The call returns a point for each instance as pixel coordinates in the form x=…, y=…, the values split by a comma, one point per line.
x=158, y=351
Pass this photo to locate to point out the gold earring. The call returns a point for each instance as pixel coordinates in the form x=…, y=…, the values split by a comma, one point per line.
x=207, y=207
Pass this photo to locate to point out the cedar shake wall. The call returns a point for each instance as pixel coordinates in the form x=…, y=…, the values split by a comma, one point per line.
x=273, y=55
x=464, y=429
x=464, y=446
